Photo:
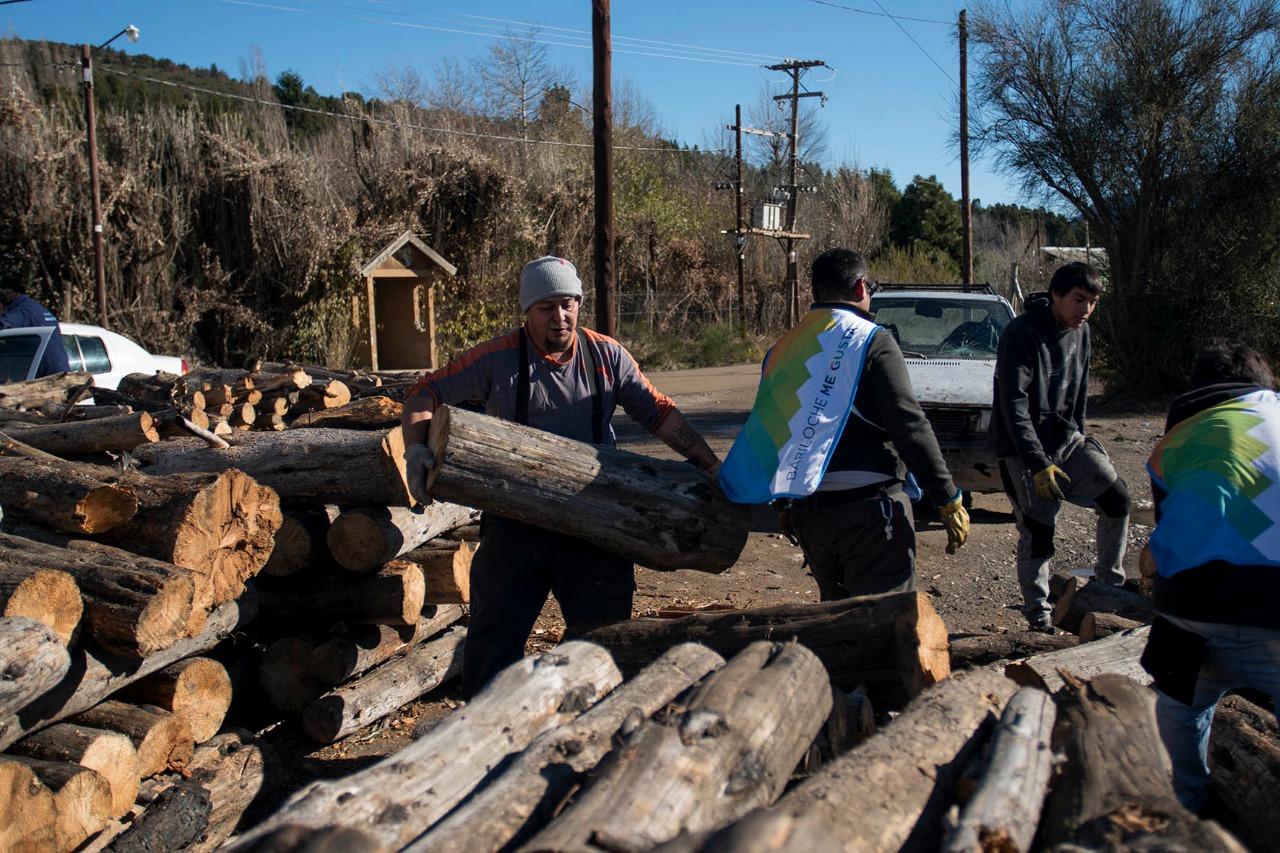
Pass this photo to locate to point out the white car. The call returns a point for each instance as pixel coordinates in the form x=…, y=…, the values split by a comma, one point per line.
x=949, y=338
x=92, y=349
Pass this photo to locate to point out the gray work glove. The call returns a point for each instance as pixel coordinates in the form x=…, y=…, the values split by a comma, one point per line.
x=418, y=461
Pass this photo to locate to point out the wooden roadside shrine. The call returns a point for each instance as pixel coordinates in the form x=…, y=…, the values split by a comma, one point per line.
x=399, y=323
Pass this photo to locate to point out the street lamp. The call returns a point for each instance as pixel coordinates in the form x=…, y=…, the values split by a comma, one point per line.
x=86, y=64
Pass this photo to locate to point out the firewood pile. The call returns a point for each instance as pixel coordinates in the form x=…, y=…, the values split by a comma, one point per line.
x=134, y=559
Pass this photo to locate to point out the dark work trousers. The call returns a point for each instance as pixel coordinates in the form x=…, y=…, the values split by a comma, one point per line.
x=514, y=569
x=859, y=541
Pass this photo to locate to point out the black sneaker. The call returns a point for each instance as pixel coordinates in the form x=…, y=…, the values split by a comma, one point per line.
x=1046, y=629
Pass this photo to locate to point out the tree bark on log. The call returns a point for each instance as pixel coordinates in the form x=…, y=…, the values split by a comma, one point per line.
x=301, y=541
x=891, y=792
x=732, y=749
x=852, y=720
x=65, y=497
x=122, y=432
x=1095, y=626
x=357, y=380
x=1118, y=654
x=136, y=607
x=28, y=815
x=894, y=644
x=398, y=798
x=175, y=819
x=446, y=569
x=321, y=465
x=365, y=538
x=237, y=770
x=1079, y=599
x=163, y=740
x=391, y=596
x=318, y=396
x=656, y=512
x=380, y=691
x=1005, y=810
x=970, y=650
x=327, y=839
x=48, y=596
x=521, y=800
x=1114, y=791
x=32, y=393
x=93, y=677
x=366, y=413
x=33, y=659
x=81, y=799
x=366, y=646
x=761, y=831
x=1244, y=769
x=198, y=690
x=109, y=753
x=158, y=387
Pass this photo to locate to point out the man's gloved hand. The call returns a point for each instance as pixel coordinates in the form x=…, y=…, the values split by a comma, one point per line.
x=417, y=464
x=956, y=519
x=1046, y=483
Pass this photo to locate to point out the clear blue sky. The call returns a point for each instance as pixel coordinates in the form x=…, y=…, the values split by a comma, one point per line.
x=888, y=104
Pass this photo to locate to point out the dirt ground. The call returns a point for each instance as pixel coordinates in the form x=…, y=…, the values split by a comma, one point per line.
x=975, y=591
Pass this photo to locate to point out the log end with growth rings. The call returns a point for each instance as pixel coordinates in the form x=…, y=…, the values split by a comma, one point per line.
x=50, y=597
x=105, y=508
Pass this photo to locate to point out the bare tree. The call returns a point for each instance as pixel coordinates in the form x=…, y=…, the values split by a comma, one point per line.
x=767, y=114
x=401, y=84
x=515, y=75
x=454, y=87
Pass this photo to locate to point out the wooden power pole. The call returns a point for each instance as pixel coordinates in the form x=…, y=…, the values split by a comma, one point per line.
x=99, y=261
x=602, y=139
x=966, y=206
x=740, y=236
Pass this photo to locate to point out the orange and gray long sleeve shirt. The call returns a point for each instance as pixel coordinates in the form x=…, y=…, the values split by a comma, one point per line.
x=559, y=388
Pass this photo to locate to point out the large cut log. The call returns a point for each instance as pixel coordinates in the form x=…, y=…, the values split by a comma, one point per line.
x=1080, y=597
x=759, y=832
x=158, y=387
x=237, y=770
x=33, y=659
x=893, y=790
x=122, y=432
x=93, y=676
x=219, y=526
x=109, y=753
x=63, y=412
x=732, y=749
x=363, y=539
x=338, y=466
x=286, y=677
x=131, y=607
x=401, y=796
x=1095, y=626
x=28, y=815
x=198, y=690
x=175, y=819
x=63, y=496
x=327, y=839
x=163, y=740
x=1114, y=791
x=852, y=720
x=48, y=596
x=1005, y=809
x=446, y=569
x=657, y=512
x=382, y=690
x=894, y=644
x=329, y=394
x=356, y=380
x=1119, y=654
x=521, y=800
x=363, y=647
x=365, y=413
x=392, y=596
x=1244, y=769
x=970, y=650
x=81, y=798
x=301, y=541
x=58, y=388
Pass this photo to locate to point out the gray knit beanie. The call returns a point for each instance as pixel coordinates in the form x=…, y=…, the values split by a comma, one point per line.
x=548, y=277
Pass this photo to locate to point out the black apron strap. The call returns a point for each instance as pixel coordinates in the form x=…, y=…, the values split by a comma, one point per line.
x=597, y=392
x=522, y=382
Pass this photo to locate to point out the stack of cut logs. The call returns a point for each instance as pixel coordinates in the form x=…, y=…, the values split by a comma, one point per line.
x=131, y=569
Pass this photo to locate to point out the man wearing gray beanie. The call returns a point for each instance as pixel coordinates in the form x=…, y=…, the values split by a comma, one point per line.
x=552, y=375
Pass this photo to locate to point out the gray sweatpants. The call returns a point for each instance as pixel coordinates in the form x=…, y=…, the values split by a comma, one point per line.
x=1092, y=474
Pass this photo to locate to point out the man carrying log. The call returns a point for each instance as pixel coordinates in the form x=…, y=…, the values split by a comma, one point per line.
x=555, y=376
x=1040, y=388
x=829, y=442
x=1215, y=478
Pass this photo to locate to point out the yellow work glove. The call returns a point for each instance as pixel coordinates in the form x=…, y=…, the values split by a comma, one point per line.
x=1046, y=483
x=956, y=519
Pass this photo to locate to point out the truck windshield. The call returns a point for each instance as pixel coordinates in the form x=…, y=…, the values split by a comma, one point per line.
x=16, y=354
x=943, y=328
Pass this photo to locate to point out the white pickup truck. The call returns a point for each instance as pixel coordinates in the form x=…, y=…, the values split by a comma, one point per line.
x=949, y=337
x=92, y=349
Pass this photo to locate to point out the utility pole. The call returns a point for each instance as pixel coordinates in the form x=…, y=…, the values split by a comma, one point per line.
x=796, y=68
x=99, y=260
x=739, y=237
x=602, y=145
x=966, y=207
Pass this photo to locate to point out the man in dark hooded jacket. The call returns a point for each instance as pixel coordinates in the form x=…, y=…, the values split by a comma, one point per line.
x=21, y=311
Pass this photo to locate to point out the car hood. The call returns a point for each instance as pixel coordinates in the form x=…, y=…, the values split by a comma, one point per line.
x=952, y=381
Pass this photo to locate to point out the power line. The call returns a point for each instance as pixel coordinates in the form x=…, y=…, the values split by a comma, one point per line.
x=880, y=14
x=391, y=122
x=905, y=32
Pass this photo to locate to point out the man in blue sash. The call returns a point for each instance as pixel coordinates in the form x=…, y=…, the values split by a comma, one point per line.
x=834, y=429
x=1215, y=477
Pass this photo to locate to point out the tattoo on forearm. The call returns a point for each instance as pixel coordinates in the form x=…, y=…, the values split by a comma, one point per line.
x=684, y=439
